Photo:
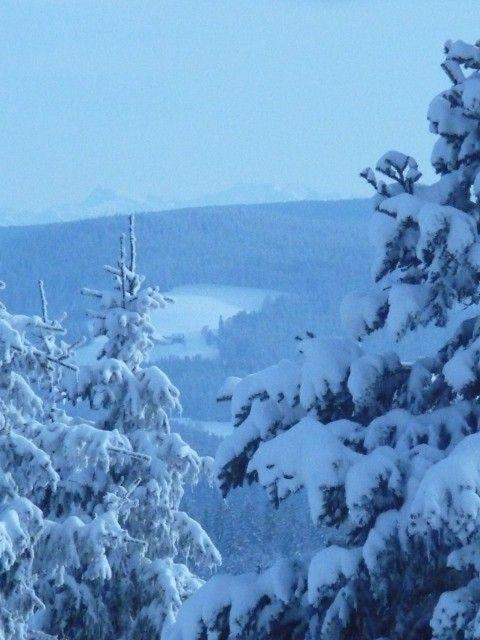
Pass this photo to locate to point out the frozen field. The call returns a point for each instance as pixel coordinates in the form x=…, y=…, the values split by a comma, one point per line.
x=180, y=326
x=198, y=307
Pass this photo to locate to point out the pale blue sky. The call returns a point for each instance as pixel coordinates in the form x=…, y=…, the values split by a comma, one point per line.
x=187, y=97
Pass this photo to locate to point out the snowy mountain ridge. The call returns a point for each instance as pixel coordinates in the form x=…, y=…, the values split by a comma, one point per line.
x=103, y=201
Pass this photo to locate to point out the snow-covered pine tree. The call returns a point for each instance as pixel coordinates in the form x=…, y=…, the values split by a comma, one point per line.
x=26, y=475
x=387, y=453
x=135, y=399
x=81, y=536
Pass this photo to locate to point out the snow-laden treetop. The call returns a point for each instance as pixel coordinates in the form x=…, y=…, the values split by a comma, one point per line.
x=428, y=247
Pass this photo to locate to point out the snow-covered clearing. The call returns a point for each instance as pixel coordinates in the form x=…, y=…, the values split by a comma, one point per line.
x=180, y=327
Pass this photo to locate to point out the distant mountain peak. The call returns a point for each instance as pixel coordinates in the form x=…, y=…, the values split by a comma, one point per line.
x=99, y=195
x=104, y=201
x=259, y=193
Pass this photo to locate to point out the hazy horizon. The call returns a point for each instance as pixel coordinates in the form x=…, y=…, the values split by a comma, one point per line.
x=178, y=99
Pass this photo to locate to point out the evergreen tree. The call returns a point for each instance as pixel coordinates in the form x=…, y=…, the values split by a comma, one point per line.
x=26, y=474
x=134, y=399
x=81, y=536
x=387, y=452
x=57, y=523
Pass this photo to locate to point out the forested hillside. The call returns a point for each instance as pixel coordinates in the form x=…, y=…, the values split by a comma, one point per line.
x=311, y=247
